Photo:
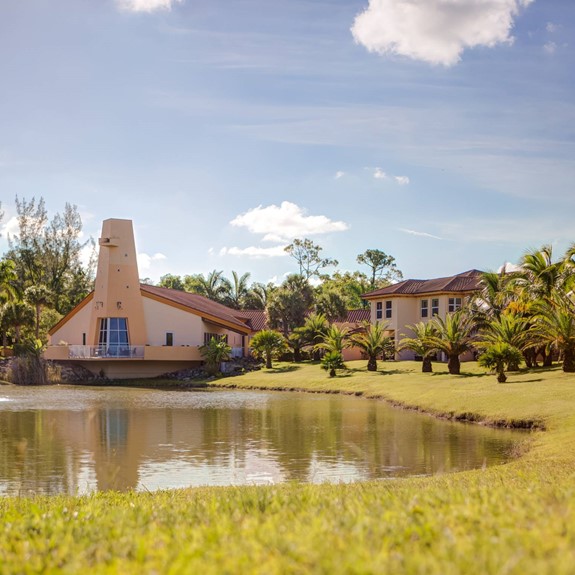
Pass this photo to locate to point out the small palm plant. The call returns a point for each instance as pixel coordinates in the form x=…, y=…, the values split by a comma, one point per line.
x=454, y=337
x=214, y=352
x=332, y=361
x=421, y=343
x=268, y=343
x=335, y=339
x=372, y=341
x=312, y=332
x=497, y=356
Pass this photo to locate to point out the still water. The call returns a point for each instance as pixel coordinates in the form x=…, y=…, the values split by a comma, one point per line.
x=76, y=440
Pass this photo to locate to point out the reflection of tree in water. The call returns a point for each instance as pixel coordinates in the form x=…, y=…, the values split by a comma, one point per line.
x=32, y=459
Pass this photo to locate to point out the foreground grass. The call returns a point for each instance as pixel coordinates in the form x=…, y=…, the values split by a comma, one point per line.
x=516, y=518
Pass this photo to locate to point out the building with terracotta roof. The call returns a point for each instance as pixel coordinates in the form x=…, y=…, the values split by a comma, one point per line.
x=411, y=301
x=125, y=329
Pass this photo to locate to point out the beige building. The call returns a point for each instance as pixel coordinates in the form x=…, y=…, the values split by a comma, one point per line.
x=125, y=329
x=411, y=301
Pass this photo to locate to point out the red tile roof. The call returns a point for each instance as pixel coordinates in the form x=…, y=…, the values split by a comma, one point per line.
x=255, y=318
x=357, y=315
x=200, y=304
x=468, y=281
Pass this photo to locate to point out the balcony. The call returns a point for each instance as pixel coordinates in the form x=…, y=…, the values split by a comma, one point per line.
x=123, y=352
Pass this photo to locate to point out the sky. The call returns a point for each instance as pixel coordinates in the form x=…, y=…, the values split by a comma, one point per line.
x=438, y=131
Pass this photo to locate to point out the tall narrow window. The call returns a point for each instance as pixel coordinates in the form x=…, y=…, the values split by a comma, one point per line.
x=434, y=306
x=83, y=339
x=113, y=338
x=387, y=310
x=424, y=307
x=169, y=338
x=378, y=310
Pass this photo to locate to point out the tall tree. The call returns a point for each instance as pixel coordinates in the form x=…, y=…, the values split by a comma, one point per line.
x=307, y=255
x=381, y=265
x=289, y=304
x=48, y=252
x=37, y=296
x=171, y=281
x=236, y=290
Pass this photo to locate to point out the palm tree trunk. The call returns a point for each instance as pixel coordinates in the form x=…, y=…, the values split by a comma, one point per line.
x=268, y=360
x=454, y=365
x=427, y=366
x=372, y=363
x=569, y=360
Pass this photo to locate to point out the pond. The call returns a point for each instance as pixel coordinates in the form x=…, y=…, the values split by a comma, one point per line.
x=77, y=439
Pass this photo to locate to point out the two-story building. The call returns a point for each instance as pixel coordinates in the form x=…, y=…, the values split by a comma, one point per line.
x=411, y=301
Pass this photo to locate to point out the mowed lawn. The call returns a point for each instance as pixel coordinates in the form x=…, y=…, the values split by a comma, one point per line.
x=515, y=518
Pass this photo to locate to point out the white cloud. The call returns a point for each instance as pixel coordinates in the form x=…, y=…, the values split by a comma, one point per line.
x=402, y=180
x=421, y=234
x=339, y=175
x=255, y=252
x=145, y=261
x=550, y=48
x=379, y=174
x=10, y=228
x=146, y=5
x=435, y=31
x=285, y=222
x=551, y=27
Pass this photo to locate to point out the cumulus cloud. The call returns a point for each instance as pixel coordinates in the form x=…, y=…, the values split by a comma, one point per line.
x=551, y=27
x=255, y=252
x=379, y=174
x=402, y=180
x=146, y=5
x=339, y=175
x=10, y=228
x=435, y=31
x=285, y=222
x=421, y=234
x=145, y=260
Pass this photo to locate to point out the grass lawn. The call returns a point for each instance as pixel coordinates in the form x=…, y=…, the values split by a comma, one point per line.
x=515, y=518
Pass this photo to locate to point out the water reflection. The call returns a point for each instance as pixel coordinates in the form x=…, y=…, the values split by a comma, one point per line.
x=78, y=439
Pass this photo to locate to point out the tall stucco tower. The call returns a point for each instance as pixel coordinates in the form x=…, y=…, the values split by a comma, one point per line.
x=118, y=309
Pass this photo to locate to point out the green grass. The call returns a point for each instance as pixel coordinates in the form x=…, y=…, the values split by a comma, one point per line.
x=515, y=518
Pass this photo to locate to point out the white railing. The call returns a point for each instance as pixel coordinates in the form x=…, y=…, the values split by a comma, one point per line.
x=120, y=351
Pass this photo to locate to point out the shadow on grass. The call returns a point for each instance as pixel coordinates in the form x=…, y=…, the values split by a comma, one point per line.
x=283, y=369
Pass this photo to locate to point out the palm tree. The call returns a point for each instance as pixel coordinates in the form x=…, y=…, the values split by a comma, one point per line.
x=8, y=278
x=37, y=296
x=421, y=343
x=555, y=325
x=17, y=314
x=268, y=344
x=332, y=361
x=497, y=356
x=312, y=332
x=236, y=290
x=335, y=338
x=510, y=329
x=454, y=337
x=214, y=352
x=372, y=341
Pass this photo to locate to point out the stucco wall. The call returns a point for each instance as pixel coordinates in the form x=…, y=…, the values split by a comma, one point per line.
x=71, y=332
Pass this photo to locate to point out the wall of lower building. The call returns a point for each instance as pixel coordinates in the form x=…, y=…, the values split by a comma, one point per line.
x=118, y=369
x=71, y=332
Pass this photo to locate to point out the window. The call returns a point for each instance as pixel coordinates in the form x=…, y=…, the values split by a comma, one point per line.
x=387, y=310
x=454, y=304
x=378, y=310
x=113, y=337
x=216, y=336
x=169, y=338
x=424, y=307
x=83, y=339
x=434, y=307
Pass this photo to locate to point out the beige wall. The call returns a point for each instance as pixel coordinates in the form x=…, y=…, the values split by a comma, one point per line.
x=71, y=332
x=406, y=310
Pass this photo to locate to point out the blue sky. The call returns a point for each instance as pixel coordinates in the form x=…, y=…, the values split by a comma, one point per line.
x=439, y=131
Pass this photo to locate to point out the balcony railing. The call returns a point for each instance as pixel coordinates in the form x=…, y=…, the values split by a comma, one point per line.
x=120, y=351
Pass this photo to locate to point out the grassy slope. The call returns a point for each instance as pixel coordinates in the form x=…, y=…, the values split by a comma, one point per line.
x=517, y=518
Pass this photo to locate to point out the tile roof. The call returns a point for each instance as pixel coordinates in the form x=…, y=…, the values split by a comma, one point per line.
x=198, y=303
x=255, y=318
x=465, y=282
x=358, y=315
